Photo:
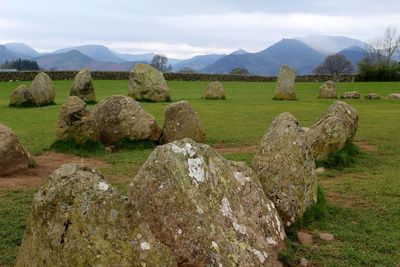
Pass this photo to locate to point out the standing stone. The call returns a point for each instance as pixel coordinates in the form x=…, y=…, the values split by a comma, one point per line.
x=181, y=121
x=83, y=86
x=75, y=123
x=78, y=219
x=120, y=117
x=286, y=168
x=351, y=95
x=328, y=90
x=214, y=90
x=285, y=84
x=13, y=155
x=333, y=130
x=372, y=96
x=21, y=96
x=208, y=210
x=42, y=90
x=394, y=96
x=148, y=84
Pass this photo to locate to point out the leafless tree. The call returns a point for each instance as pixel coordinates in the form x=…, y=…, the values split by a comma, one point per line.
x=385, y=49
x=335, y=65
x=160, y=62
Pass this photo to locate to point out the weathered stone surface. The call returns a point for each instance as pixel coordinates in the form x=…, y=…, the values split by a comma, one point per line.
x=78, y=219
x=304, y=262
x=120, y=117
x=333, y=130
x=372, y=96
x=285, y=84
x=42, y=90
x=286, y=168
x=21, y=96
x=328, y=90
x=181, y=121
x=351, y=95
x=13, y=156
x=215, y=90
x=326, y=237
x=75, y=122
x=305, y=238
x=394, y=96
x=83, y=86
x=148, y=84
x=208, y=210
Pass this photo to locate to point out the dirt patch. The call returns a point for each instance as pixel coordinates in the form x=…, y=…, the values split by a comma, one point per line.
x=46, y=164
x=344, y=200
x=365, y=146
x=233, y=150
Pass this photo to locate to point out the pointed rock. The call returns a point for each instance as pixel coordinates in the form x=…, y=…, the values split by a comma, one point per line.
x=83, y=86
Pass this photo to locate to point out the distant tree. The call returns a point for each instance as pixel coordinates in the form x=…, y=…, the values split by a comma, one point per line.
x=239, y=71
x=160, y=62
x=335, y=65
x=21, y=64
x=187, y=70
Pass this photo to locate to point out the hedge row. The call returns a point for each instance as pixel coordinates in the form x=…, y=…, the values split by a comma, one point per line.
x=120, y=75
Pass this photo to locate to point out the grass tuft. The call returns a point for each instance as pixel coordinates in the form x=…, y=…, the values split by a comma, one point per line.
x=88, y=149
x=344, y=158
x=126, y=143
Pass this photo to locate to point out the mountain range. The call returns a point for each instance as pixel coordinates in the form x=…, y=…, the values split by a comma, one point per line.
x=302, y=53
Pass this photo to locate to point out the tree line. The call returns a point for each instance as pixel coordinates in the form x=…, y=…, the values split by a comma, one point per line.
x=20, y=64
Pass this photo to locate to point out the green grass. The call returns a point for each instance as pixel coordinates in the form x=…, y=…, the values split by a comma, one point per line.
x=363, y=199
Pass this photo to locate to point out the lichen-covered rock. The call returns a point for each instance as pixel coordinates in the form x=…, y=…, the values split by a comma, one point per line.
x=78, y=219
x=333, y=130
x=394, y=96
x=42, y=90
x=119, y=117
x=148, y=84
x=214, y=90
x=75, y=123
x=285, y=84
x=372, y=96
x=208, y=210
x=181, y=121
x=328, y=90
x=83, y=86
x=286, y=168
x=13, y=155
x=21, y=96
x=351, y=95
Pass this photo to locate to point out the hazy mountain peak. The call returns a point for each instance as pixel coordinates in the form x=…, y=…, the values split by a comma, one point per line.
x=21, y=48
x=330, y=44
x=239, y=52
x=97, y=52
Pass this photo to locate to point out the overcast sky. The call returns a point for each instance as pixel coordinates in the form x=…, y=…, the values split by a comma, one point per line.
x=184, y=28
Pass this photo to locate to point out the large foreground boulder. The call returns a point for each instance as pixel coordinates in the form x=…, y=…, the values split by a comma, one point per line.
x=119, y=117
x=208, y=210
x=75, y=123
x=351, y=95
x=333, y=130
x=328, y=90
x=286, y=168
x=394, y=96
x=22, y=96
x=148, y=84
x=13, y=155
x=83, y=86
x=215, y=90
x=181, y=121
x=42, y=90
x=78, y=219
x=285, y=84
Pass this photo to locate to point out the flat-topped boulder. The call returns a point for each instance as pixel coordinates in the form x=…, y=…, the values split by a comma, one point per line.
x=285, y=84
x=215, y=90
x=75, y=123
x=286, y=168
x=181, y=121
x=79, y=219
x=372, y=96
x=13, y=155
x=21, y=96
x=83, y=86
x=336, y=128
x=119, y=117
x=328, y=90
x=42, y=90
x=351, y=95
x=148, y=84
x=394, y=96
x=208, y=210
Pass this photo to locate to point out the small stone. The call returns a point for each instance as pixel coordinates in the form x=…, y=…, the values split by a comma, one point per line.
x=320, y=170
x=351, y=95
x=328, y=90
x=394, y=96
x=285, y=84
x=108, y=149
x=304, y=262
x=372, y=96
x=326, y=237
x=315, y=249
x=305, y=238
x=214, y=90
x=21, y=96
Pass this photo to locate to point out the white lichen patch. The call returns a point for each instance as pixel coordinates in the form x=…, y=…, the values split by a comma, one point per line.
x=179, y=231
x=144, y=245
x=178, y=150
x=227, y=212
x=269, y=208
x=103, y=186
x=262, y=256
x=188, y=149
x=196, y=170
x=241, y=177
x=271, y=241
x=215, y=246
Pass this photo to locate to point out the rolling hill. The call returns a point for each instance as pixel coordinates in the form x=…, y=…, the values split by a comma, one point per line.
x=330, y=44
x=22, y=49
x=198, y=62
x=7, y=55
x=355, y=54
x=97, y=52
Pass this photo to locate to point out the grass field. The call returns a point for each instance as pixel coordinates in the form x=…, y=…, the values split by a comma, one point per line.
x=363, y=199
